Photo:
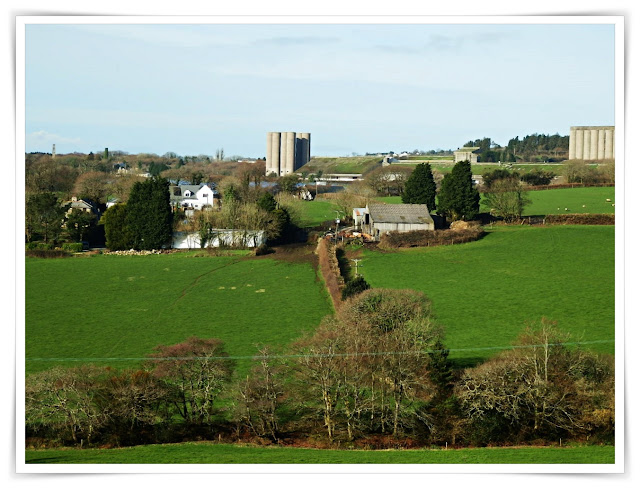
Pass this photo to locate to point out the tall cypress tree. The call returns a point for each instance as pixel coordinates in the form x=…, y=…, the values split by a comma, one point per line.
x=420, y=187
x=458, y=198
x=149, y=216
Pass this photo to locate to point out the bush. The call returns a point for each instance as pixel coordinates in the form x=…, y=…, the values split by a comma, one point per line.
x=263, y=249
x=39, y=246
x=72, y=247
x=354, y=287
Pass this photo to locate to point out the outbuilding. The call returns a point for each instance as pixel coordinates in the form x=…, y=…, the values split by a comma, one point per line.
x=381, y=218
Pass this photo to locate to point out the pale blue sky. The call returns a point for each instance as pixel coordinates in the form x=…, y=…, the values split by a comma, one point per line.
x=356, y=88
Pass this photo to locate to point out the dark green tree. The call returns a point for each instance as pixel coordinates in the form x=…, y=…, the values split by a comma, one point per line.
x=458, y=198
x=288, y=183
x=267, y=202
x=149, y=215
x=420, y=187
x=116, y=228
x=79, y=224
x=44, y=216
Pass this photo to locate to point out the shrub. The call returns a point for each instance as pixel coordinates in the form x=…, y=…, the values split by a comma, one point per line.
x=39, y=246
x=72, y=247
x=263, y=249
x=354, y=287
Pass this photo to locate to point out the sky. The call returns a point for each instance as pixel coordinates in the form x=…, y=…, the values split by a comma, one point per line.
x=193, y=89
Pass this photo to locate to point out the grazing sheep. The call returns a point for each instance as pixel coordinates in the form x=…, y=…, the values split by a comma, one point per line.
x=584, y=205
x=608, y=200
x=613, y=205
x=566, y=208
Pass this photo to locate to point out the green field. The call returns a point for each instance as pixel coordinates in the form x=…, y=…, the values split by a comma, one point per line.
x=117, y=308
x=315, y=212
x=208, y=453
x=549, y=202
x=485, y=292
x=585, y=200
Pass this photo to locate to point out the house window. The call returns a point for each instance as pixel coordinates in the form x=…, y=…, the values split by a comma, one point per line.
x=205, y=196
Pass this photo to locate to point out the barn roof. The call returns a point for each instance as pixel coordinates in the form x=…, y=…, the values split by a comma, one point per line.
x=400, y=213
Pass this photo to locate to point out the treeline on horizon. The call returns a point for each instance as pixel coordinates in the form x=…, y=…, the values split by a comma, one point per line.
x=534, y=147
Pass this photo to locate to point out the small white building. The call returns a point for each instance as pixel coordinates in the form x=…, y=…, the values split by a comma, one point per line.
x=192, y=196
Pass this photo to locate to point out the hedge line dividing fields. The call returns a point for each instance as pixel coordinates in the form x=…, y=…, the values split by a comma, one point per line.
x=118, y=308
x=485, y=292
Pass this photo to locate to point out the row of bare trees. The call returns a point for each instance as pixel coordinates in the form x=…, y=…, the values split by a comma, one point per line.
x=376, y=369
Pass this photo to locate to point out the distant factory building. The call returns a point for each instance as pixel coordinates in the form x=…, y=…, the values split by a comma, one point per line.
x=287, y=151
x=466, y=154
x=592, y=143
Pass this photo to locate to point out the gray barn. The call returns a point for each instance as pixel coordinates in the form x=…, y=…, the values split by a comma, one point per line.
x=381, y=218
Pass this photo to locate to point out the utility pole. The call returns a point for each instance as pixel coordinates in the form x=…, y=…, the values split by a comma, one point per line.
x=356, y=261
x=337, y=222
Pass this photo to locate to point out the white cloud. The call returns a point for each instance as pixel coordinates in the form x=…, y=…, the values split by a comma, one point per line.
x=39, y=138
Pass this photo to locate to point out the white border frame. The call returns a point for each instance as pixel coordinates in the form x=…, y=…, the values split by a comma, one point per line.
x=618, y=467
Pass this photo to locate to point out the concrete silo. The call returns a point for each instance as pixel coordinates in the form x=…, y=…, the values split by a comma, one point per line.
x=273, y=153
x=286, y=152
x=592, y=143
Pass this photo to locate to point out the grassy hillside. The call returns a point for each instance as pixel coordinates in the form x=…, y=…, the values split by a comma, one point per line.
x=119, y=307
x=209, y=453
x=356, y=164
x=485, y=292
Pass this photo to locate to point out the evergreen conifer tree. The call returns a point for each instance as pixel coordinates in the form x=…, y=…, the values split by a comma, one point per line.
x=458, y=198
x=420, y=187
x=149, y=216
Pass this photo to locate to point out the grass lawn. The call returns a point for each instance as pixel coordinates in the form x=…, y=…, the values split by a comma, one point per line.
x=209, y=453
x=485, y=292
x=547, y=202
x=120, y=307
x=315, y=212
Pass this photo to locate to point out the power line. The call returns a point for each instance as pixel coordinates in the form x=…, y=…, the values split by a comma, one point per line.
x=314, y=355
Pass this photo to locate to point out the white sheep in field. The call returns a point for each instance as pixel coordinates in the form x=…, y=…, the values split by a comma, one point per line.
x=613, y=205
x=566, y=208
x=584, y=205
x=608, y=200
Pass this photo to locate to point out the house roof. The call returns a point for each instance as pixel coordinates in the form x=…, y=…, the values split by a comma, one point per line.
x=400, y=213
x=467, y=149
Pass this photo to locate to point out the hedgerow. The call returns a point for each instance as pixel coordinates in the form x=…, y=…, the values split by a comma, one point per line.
x=395, y=239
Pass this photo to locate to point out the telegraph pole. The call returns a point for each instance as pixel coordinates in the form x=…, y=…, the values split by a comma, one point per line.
x=356, y=261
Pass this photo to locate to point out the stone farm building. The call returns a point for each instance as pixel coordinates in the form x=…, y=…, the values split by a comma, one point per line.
x=467, y=153
x=381, y=218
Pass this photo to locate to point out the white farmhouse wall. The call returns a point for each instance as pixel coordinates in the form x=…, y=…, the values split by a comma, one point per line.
x=226, y=237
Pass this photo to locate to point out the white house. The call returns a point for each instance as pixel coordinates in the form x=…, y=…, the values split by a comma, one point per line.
x=192, y=196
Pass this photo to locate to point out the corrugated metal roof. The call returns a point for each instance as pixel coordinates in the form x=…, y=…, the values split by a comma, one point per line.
x=400, y=213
